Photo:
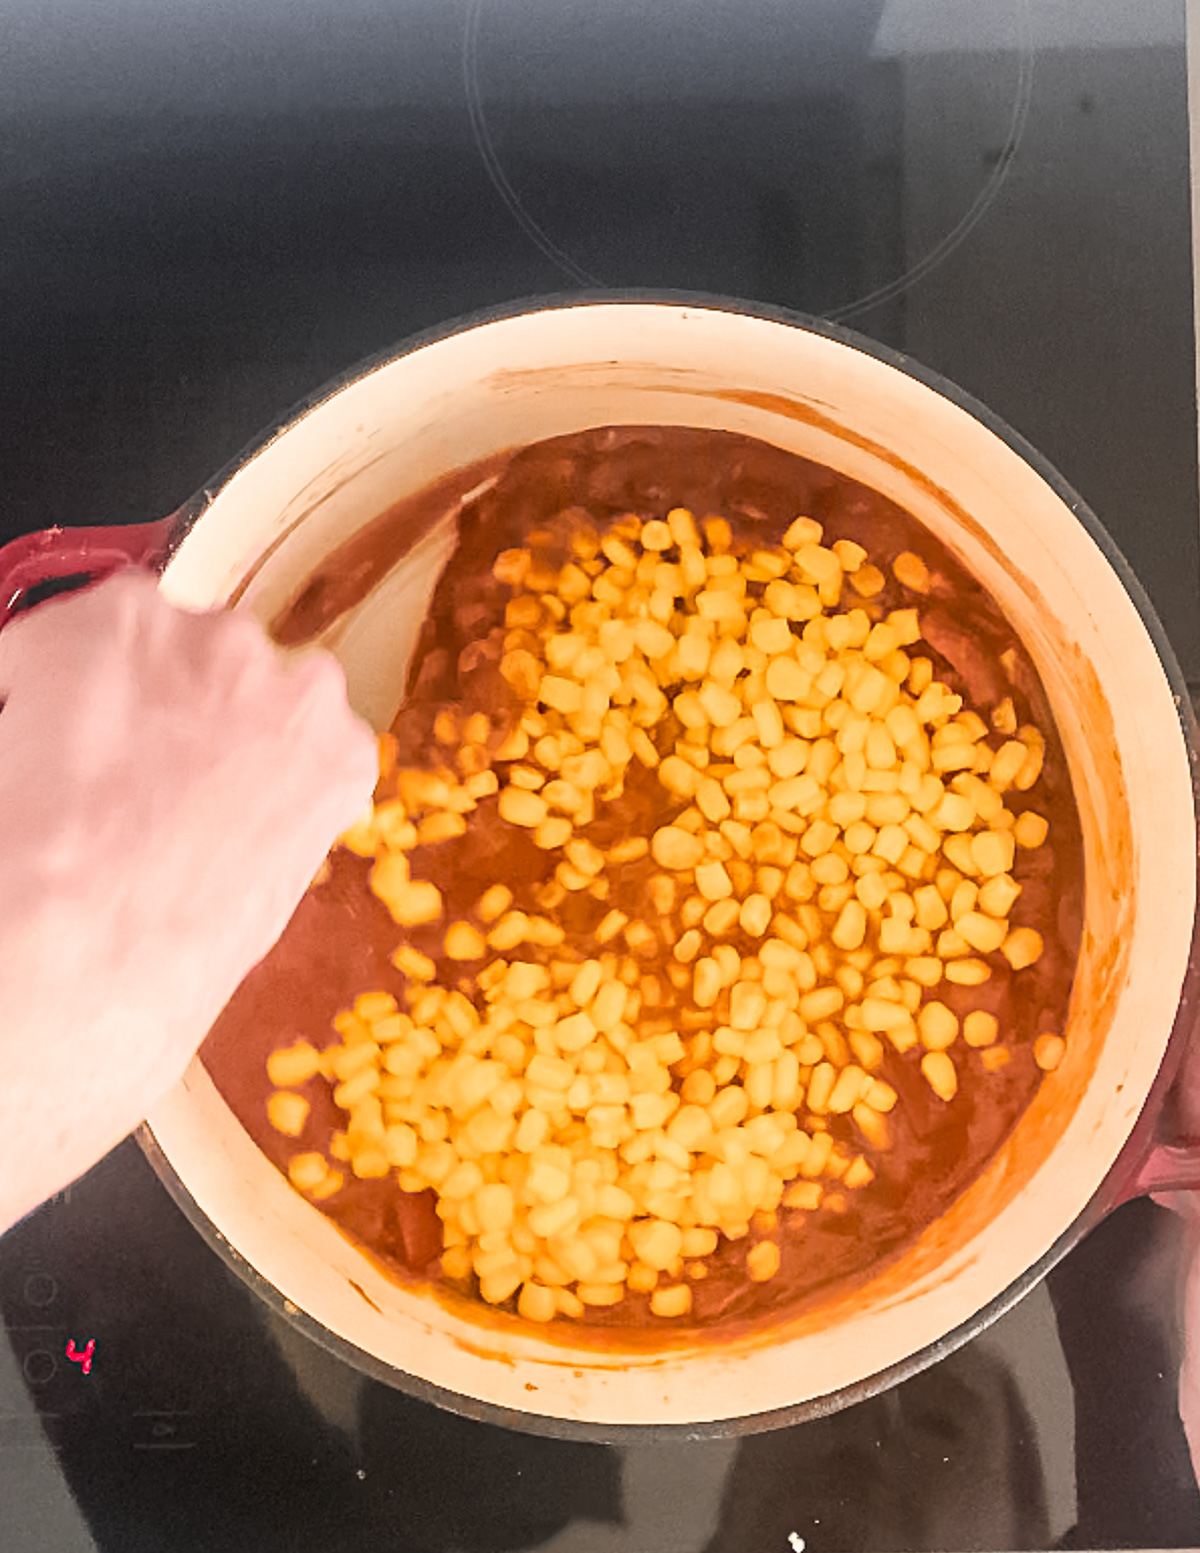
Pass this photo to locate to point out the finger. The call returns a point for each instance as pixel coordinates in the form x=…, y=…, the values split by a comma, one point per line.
x=19, y=652
x=352, y=746
x=87, y=621
x=318, y=682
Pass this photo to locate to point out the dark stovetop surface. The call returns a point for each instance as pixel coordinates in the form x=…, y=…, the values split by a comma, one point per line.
x=207, y=212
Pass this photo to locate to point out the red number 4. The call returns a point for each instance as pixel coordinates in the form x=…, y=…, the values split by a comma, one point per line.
x=83, y=1357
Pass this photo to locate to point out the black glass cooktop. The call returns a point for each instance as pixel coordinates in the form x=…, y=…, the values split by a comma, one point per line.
x=206, y=212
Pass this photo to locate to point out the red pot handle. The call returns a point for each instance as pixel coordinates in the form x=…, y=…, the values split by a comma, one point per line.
x=88, y=553
x=1162, y=1154
x=1169, y=1167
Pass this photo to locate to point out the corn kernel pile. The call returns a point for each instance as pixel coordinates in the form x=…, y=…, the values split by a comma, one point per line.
x=594, y=1116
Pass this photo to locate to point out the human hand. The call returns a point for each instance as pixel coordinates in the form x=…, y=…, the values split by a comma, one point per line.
x=169, y=785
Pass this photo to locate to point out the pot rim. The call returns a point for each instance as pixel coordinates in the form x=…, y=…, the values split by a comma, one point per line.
x=1141, y=1137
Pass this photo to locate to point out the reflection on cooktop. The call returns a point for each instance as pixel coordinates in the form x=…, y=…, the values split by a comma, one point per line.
x=616, y=171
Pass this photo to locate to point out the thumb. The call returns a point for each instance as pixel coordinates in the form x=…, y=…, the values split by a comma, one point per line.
x=17, y=646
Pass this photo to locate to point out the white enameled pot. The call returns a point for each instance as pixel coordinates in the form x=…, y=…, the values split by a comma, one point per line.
x=446, y=401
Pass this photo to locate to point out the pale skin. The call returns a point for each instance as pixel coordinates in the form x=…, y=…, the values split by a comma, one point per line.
x=169, y=785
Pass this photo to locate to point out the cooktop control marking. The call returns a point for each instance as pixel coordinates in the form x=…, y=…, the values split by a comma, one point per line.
x=84, y=1358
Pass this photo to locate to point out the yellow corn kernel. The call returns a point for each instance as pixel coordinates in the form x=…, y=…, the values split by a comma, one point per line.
x=610, y=925
x=1030, y=829
x=413, y=903
x=871, y=1124
x=883, y=1014
x=401, y=1145
x=676, y=849
x=992, y=851
x=671, y=1300
x=851, y=926
x=851, y=1086
x=641, y=1279
x=910, y=570
x=999, y=895
x=820, y=1088
x=518, y=806
x=822, y=1003
x=552, y=832
x=1004, y=717
x=442, y=826
x=493, y=903
x=343, y=1062
x=390, y=873
x=804, y=1195
x=1022, y=947
x=1008, y=763
x=984, y=934
x=656, y=1242
x=968, y=972
x=416, y=966
x=980, y=1028
x=679, y=776
x=762, y=1261
x=940, y=1074
x=713, y=881
x=721, y=917
x=1032, y=768
x=307, y=1171
x=755, y=915
x=536, y=1302
x=332, y=1183
x=938, y=1027
x=287, y=1113
x=925, y=970
x=464, y=942
x=291, y=1066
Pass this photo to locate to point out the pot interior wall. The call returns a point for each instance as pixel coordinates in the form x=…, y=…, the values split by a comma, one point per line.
x=517, y=381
